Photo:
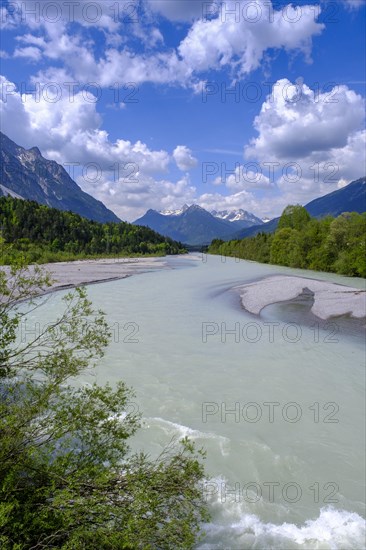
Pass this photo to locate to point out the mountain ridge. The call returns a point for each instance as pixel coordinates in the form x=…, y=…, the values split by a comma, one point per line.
x=192, y=225
x=240, y=215
x=351, y=198
x=25, y=173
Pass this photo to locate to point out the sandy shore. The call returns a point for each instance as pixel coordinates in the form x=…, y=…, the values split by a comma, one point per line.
x=330, y=299
x=85, y=272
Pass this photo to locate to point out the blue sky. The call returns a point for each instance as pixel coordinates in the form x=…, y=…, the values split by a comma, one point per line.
x=240, y=104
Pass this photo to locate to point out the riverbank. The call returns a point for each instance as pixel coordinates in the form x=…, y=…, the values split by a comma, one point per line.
x=66, y=275
x=330, y=299
x=86, y=272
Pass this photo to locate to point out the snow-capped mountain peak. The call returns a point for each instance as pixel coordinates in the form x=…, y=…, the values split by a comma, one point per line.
x=174, y=212
x=227, y=215
x=236, y=215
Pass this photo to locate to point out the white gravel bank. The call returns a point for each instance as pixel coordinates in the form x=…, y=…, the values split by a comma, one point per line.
x=330, y=299
x=84, y=272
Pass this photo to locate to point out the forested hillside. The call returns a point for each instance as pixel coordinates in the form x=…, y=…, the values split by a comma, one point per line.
x=46, y=234
x=330, y=244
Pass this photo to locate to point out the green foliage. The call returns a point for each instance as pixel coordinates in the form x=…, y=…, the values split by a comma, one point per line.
x=329, y=244
x=41, y=235
x=295, y=217
x=286, y=248
x=67, y=477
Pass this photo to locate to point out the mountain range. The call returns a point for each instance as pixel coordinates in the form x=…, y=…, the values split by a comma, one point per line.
x=239, y=217
x=244, y=218
x=195, y=226
x=26, y=174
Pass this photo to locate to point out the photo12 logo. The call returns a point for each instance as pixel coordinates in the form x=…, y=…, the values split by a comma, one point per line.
x=270, y=491
x=119, y=93
x=53, y=12
x=93, y=172
x=268, y=331
x=265, y=173
x=269, y=411
x=266, y=11
x=90, y=172
x=254, y=92
x=121, y=332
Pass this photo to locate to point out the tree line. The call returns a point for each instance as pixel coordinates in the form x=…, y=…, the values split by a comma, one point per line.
x=330, y=244
x=42, y=234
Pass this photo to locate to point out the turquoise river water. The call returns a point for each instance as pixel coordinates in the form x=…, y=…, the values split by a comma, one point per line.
x=277, y=400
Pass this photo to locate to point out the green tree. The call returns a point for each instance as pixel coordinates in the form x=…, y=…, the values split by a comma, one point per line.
x=295, y=217
x=314, y=239
x=347, y=240
x=286, y=248
x=67, y=477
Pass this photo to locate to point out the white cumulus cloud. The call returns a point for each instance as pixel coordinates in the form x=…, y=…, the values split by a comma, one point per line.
x=240, y=34
x=237, y=36
x=184, y=158
x=295, y=121
x=67, y=127
x=315, y=139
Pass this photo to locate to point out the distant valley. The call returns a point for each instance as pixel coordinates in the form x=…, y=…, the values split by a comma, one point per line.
x=26, y=174
x=193, y=225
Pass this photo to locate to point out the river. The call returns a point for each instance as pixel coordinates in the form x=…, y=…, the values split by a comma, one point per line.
x=278, y=401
